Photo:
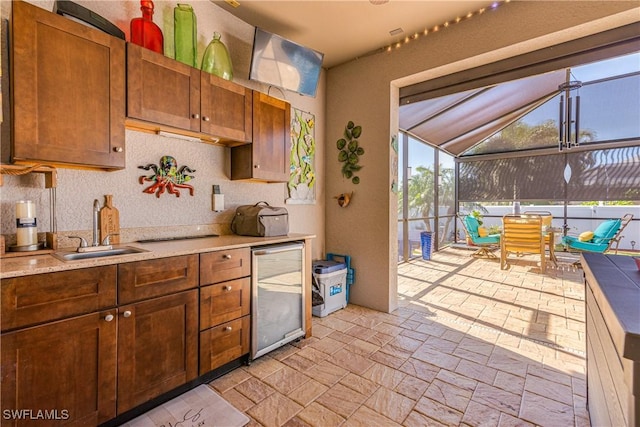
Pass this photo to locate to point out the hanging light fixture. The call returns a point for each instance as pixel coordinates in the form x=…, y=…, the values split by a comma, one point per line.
x=568, y=127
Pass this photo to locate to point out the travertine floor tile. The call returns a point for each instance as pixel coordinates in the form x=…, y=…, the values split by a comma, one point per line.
x=239, y=401
x=264, y=367
x=359, y=384
x=479, y=415
x=545, y=412
x=470, y=345
x=317, y=415
x=254, y=389
x=308, y=392
x=497, y=398
x=365, y=417
x=351, y=361
x=390, y=404
x=327, y=373
x=384, y=375
x=438, y=411
x=448, y=394
x=342, y=400
x=275, y=410
x=412, y=387
x=230, y=380
x=286, y=379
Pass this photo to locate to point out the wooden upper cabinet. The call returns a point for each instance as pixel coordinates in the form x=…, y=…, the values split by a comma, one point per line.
x=162, y=90
x=165, y=94
x=226, y=109
x=267, y=158
x=68, y=365
x=68, y=89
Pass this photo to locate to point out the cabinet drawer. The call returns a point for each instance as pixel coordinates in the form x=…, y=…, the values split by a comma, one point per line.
x=224, y=302
x=224, y=265
x=224, y=343
x=30, y=300
x=147, y=279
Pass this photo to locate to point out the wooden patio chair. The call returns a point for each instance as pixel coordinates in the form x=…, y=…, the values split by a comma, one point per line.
x=604, y=236
x=484, y=243
x=522, y=234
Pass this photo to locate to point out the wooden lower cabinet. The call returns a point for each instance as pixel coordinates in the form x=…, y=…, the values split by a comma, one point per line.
x=224, y=343
x=67, y=368
x=157, y=347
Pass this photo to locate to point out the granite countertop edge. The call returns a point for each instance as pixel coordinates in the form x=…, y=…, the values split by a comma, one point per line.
x=47, y=263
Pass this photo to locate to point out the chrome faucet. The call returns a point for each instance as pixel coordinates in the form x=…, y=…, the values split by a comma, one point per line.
x=96, y=213
x=96, y=245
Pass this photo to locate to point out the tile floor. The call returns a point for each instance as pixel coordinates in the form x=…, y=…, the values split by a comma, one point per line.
x=470, y=344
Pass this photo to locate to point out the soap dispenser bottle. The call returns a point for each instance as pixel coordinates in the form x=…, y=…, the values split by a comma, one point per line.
x=144, y=32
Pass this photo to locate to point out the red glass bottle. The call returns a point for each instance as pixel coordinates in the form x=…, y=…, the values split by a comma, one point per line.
x=144, y=31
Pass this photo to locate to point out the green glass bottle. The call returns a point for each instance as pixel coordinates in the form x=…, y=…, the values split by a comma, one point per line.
x=216, y=59
x=185, y=34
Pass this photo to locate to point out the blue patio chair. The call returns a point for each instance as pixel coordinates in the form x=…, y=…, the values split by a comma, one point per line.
x=484, y=243
x=604, y=236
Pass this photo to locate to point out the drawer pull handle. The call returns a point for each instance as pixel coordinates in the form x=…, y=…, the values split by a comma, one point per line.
x=205, y=118
x=108, y=317
x=228, y=328
x=118, y=149
x=127, y=313
x=228, y=288
x=227, y=256
x=195, y=116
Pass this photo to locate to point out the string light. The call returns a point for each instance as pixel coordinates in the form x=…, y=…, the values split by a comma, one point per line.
x=445, y=24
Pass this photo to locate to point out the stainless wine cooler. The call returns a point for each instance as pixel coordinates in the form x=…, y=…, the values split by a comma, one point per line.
x=277, y=311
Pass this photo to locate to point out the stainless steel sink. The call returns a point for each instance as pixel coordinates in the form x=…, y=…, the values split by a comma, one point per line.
x=120, y=250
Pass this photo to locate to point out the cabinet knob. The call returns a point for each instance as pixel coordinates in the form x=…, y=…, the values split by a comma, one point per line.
x=205, y=118
x=256, y=166
x=228, y=328
x=226, y=256
x=118, y=149
x=108, y=317
x=227, y=288
x=127, y=313
x=195, y=116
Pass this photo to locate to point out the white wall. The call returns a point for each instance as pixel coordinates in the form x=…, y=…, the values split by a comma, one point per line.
x=365, y=91
x=77, y=189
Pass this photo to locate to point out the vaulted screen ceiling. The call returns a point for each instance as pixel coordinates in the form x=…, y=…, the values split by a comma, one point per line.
x=455, y=123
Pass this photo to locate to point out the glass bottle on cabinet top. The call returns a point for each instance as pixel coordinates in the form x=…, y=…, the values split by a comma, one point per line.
x=144, y=32
x=185, y=34
x=216, y=59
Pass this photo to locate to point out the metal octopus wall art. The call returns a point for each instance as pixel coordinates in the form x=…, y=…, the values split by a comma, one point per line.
x=167, y=177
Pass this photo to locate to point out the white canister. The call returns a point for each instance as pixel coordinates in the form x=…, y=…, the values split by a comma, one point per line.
x=26, y=224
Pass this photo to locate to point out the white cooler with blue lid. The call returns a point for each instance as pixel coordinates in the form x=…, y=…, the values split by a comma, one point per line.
x=331, y=278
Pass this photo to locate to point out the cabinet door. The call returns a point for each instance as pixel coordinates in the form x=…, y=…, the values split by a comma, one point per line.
x=226, y=109
x=29, y=300
x=68, y=367
x=224, y=343
x=157, y=347
x=267, y=158
x=162, y=90
x=68, y=91
x=156, y=277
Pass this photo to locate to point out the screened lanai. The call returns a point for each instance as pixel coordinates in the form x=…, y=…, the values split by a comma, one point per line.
x=566, y=141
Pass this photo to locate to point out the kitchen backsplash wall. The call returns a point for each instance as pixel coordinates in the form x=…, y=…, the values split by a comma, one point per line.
x=78, y=188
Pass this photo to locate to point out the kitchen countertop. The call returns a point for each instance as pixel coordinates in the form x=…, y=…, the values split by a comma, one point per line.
x=38, y=264
x=615, y=283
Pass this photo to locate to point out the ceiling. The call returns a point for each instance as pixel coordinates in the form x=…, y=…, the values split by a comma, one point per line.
x=345, y=30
